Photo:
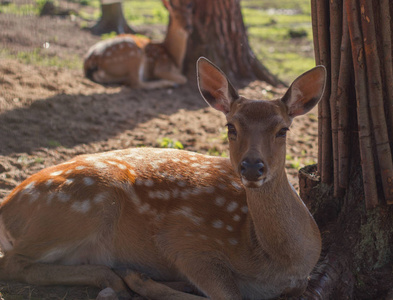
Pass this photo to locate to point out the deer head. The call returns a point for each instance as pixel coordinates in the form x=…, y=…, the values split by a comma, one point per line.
x=257, y=128
x=180, y=12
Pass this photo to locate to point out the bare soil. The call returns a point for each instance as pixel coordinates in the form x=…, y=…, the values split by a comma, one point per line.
x=50, y=114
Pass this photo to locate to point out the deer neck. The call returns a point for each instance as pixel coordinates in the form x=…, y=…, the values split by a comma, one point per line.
x=282, y=226
x=176, y=43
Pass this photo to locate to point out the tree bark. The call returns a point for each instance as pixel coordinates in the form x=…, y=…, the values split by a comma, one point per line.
x=112, y=19
x=352, y=210
x=219, y=34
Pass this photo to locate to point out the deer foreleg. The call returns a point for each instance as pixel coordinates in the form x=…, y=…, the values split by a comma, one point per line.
x=176, y=77
x=52, y=274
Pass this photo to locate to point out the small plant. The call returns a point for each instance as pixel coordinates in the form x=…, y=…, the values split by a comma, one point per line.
x=169, y=143
x=110, y=35
x=53, y=143
x=216, y=152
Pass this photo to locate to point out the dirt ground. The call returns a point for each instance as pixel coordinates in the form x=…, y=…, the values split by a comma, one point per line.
x=50, y=114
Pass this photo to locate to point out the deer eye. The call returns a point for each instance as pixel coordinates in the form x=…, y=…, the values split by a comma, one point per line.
x=232, y=133
x=282, y=132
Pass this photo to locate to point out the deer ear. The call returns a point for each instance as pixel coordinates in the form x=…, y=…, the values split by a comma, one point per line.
x=305, y=92
x=214, y=86
x=167, y=4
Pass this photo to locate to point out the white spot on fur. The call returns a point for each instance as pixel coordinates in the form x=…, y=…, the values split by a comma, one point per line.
x=80, y=167
x=236, y=218
x=236, y=185
x=149, y=182
x=50, y=197
x=219, y=242
x=81, y=206
x=218, y=224
x=187, y=212
x=63, y=197
x=29, y=187
x=233, y=241
x=34, y=195
x=203, y=237
x=88, y=181
x=49, y=182
x=69, y=181
x=181, y=183
x=68, y=171
x=209, y=189
x=244, y=209
x=100, y=165
x=229, y=228
x=232, y=206
x=222, y=186
x=99, y=198
x=220, y=201
x=144, y=208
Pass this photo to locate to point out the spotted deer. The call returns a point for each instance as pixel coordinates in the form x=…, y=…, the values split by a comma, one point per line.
x=140, y=63
x=234, y=228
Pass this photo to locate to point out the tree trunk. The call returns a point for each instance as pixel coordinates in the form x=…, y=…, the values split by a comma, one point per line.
x=112, y=19
x=219, y=34
x=350, y=193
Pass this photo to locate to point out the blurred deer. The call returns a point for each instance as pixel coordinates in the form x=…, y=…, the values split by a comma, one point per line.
x=235, y=228
x=140, y=63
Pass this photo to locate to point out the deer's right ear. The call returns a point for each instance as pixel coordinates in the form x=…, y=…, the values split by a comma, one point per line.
x=166, y=4
x=214, y=86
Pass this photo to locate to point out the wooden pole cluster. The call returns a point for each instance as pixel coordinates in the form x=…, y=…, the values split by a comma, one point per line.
x=359, y=64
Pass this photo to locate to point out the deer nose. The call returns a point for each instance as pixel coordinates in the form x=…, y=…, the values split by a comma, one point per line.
x=252, y=171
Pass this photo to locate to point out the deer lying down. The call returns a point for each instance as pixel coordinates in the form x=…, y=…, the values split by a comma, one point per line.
x=235, y=228
x=140, y=63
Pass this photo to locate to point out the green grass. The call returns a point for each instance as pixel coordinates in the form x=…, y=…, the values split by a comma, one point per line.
x=269, y=26
x=39, y=57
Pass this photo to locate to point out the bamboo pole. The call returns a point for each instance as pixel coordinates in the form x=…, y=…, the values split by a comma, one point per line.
x=314, y=22
x=324, y=109
x=335, y=39
x=368, y=170
x=375, y=99
x=343, y=104
x=386, y=35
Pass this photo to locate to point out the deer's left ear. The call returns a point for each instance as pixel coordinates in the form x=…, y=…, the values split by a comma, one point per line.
x=305, y=92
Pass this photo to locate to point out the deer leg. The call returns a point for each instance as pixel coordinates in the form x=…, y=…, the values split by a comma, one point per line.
x=151, y=289
x=212, y=275
x=176, y=77
x=17, y=269
x=100, y=76
x=136, y=79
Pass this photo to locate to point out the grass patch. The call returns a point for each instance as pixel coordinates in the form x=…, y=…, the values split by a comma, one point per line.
x=40, y=57
x=20, y=10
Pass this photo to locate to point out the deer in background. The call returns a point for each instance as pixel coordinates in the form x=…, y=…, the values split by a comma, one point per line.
x=234, y=228
x=140, y=63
